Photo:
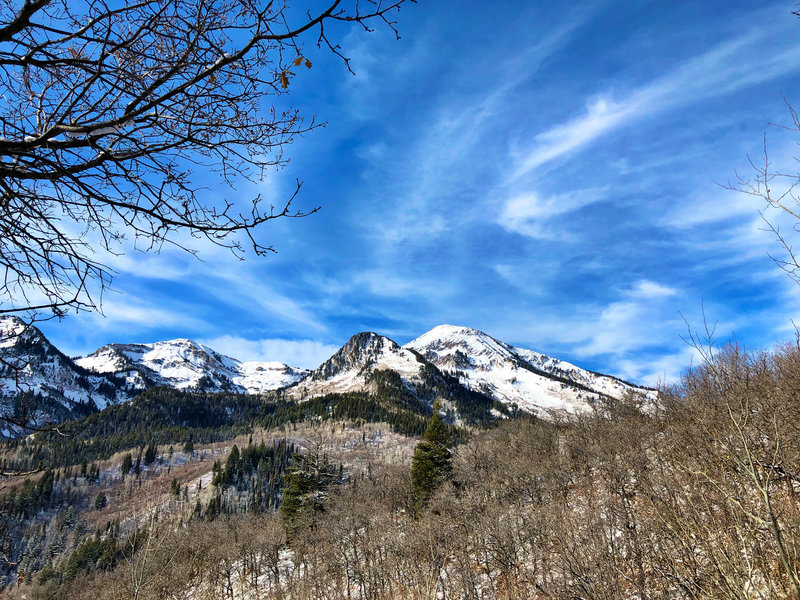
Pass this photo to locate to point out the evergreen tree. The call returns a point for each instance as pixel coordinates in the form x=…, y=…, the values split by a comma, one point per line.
x=305, y=485
x=431, y=464
x=150, y=454
x=232, y=465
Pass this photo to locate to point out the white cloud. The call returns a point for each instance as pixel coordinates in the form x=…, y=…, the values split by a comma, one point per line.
x=130, y=311
x=602, y=115
x=451, y=155
x=530, y=214
x=650, y=289
x=628, y=324
x=395, y=285
x=662, y=370
x=621, y=327
x=728, y=67
x=244, y=288
x=625, y=334
x=220, y=275
x=307, y=354
x=709, y=205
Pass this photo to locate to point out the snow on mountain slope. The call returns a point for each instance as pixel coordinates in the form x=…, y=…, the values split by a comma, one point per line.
x=39, y=380
x=257, y=376
x=485, y=370
x=350, y=368
x=185, y=364
x=535, y=382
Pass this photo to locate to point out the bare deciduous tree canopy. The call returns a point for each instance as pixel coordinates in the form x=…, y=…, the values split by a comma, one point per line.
x=107, y=109
x=778, y=189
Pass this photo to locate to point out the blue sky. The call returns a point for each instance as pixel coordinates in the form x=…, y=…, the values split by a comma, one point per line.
x=544, y=174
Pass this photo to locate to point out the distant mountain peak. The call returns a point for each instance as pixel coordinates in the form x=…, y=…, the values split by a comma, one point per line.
x=184, y=364
x=10, y=320
x=533, y=381
x=367, y=339
x=445, y=329
x=11, y=327
x=38, y=380
x=350, y=367
x=360, y=352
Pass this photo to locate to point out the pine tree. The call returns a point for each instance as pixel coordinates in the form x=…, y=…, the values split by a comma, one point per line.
x=150, y=454
x=431, y=464
x=232, y=464
x=306, y=482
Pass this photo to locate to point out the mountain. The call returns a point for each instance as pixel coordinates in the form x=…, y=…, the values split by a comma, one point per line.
x=534, y=382
x=39, y=384
x=351, y=367
x=372, y=364
x=184, y=364
x=436, y=364
x=474, y=376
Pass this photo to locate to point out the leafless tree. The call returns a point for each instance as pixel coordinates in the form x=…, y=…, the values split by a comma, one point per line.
x=108, y=109
x=778, y=190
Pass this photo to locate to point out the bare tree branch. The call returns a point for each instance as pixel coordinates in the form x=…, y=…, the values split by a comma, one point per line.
x=108, y=110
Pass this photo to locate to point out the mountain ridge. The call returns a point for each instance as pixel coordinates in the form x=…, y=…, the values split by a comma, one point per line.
x=467, y=370
x=40, y=384
x=184, y=364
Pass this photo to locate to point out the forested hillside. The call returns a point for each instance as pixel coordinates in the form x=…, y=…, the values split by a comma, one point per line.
x=692, y=496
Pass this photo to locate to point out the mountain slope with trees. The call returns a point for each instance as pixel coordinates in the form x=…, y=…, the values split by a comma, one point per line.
x=691, y=497
x=475, y=377
x=40, y=385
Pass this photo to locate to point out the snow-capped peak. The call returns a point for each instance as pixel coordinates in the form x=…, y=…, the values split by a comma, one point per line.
x=14, y=331
x=533, y=381
x=11, y=327
x=32, y=370
x=455, y=347
x=349, y=369
x=185, y=364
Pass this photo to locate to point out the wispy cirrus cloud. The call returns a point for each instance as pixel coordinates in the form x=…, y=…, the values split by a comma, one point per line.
x=650, y=289
x=530, y=213
x=724, y=69
x=218, y=274
x=123, y=313
x=448, y=151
